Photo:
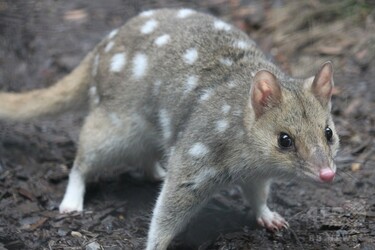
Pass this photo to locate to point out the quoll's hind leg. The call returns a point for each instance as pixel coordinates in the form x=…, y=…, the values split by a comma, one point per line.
x=105, y=140
x=73, y=197
x=256, y=194
x=95, y=135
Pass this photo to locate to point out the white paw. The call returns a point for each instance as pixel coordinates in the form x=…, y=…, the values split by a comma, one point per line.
x=271, y=220
x=71, y=205
x=75, y=191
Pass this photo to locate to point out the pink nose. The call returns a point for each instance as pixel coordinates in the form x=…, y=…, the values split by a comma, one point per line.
x=326, y=175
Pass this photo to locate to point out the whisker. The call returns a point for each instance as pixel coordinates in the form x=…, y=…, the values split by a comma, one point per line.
x=347, y=176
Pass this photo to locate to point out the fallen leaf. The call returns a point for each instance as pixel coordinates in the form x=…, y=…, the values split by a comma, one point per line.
x=79, y=15
x=38, y=223
x=25, y=193
x=330, y=50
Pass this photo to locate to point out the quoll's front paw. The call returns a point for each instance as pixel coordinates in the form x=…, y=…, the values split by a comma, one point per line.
x=271, y=220
x=68, y=208
x=71, y=204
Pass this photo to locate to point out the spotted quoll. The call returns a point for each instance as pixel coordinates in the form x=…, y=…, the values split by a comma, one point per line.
x=190, y=100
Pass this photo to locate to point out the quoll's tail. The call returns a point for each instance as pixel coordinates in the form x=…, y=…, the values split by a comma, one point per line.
x=69, y=92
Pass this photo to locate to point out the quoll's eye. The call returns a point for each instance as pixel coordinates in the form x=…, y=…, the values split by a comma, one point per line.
x=328, y=133
x=285, y=141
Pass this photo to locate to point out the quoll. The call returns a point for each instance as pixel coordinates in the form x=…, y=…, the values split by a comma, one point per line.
x=192, y=101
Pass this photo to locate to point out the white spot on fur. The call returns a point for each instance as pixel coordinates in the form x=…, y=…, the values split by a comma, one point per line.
x=147, y=13
x=240, y=134
x=118, y=62
x=226, y=61
x=95, y=65
x=225, y=108
x=92, y=91
x=220, y=25
x=237, y=112
x=112, y=34
x=165, y=123
x=115, y=119
x=191, y=83
x=241, y=44
x=191, y=55
x=198, y=150
x=231, y=84
x=157, y=84
x=172, y=150
x=162, y=40
x=252, y=74
x=184, y=13
x=140, y=65
x=149, y=26
x=109, y=46
x=73, y=198
x=207, y=93
x=204, y=176
x=97, y=100
x=222, y=125
x=94, y=95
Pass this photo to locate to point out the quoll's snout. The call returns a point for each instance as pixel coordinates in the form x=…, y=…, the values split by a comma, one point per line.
x=323, y=167
x=326, y=174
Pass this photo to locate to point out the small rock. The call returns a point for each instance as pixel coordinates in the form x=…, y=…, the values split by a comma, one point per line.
x=356, y=166
x=76, y=234
x=93, y=246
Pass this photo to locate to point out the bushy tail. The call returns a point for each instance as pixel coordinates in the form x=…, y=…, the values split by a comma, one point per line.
x=69, y=92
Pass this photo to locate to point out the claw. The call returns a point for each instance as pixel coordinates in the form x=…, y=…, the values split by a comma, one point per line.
x=260, y=222
x=272, y=220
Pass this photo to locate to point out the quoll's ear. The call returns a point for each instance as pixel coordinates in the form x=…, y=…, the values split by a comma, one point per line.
x=322, y=84
x=265, y=92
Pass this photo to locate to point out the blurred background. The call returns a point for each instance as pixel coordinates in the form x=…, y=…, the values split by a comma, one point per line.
x=43, y=40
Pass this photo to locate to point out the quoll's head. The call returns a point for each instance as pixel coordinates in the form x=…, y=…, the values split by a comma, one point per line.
x=293, y=127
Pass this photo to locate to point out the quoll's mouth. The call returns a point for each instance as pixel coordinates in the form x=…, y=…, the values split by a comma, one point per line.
x=327, y=175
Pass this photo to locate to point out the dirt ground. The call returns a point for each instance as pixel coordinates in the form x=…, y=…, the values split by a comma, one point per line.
x=42, y=40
